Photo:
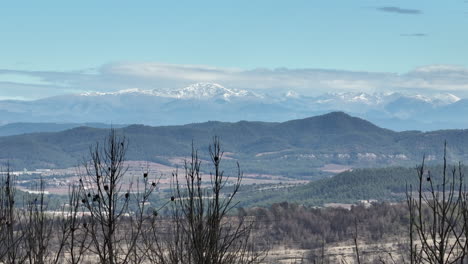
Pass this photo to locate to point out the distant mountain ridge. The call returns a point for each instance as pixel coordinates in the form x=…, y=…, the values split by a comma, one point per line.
x=201, y=102
x=27, y=128
x=296, y=148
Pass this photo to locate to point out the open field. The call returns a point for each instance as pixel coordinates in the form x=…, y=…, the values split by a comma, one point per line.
x=58, y=180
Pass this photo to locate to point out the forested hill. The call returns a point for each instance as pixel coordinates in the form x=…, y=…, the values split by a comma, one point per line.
x=379, y=184
x=295, y=148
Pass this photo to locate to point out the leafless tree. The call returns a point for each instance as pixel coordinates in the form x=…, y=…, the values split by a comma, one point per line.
x=113, y=228
x=10, y=221
x=74, y=234
x=356, y=242
x=437, y=217
x=38, y=229
x=200, y=229
x=318, y=256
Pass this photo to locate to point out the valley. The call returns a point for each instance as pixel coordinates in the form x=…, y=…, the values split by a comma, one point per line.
x=58, y=181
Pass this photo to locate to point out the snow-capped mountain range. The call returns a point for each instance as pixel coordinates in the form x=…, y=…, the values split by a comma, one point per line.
x=205, y=91
x=383, y=98
x=194, y=91
x=210, y=101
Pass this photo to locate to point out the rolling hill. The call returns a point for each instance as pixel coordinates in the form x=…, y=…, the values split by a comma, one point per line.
x=296, y=148
x=379, y=184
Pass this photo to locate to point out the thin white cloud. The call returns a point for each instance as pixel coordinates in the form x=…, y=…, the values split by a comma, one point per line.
x=118, y=76
x=21, y=78
x=169, y=71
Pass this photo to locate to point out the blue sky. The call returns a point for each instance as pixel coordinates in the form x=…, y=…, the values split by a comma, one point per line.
x=51, y=47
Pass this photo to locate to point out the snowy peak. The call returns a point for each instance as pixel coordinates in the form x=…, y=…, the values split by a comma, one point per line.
x=447, y=98
x=384, y=98
x=135, y=91
x=436, y=99
x=350, y=97
x=292, y=94
x=194, y=91
x=209, y=90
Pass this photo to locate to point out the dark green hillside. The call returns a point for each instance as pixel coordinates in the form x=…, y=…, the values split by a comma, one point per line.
x=336, y=132
x=359, y=184
x=295, y=148
x=424, y=143
x=382, y=184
